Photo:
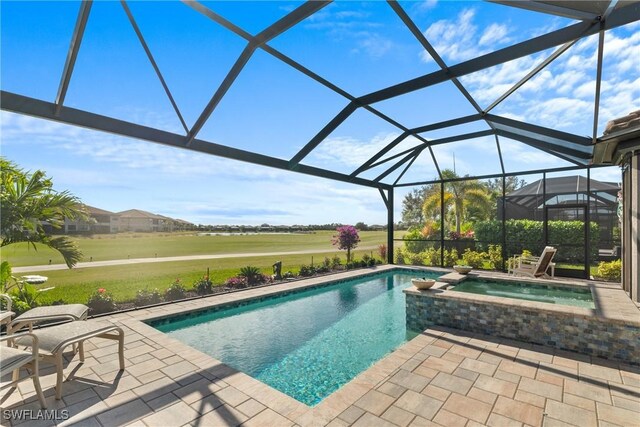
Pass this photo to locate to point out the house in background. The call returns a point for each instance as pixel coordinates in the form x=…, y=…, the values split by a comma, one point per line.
x=99, y=221
x=141, y=221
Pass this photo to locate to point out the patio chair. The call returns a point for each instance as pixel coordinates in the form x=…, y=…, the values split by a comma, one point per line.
x=12, y=359
x=535, y=267
x=53, y=340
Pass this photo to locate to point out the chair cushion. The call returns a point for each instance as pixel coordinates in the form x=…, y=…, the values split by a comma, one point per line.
x=76, y=311
x=54, y=338
x=13, y=358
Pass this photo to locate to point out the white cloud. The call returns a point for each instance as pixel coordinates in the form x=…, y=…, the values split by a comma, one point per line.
x=495, y=33
x=124, y=152
x=349, y=151
x=453, y=39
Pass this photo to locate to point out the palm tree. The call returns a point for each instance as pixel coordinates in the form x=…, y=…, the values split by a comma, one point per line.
x=465, y=199
x=27, y=201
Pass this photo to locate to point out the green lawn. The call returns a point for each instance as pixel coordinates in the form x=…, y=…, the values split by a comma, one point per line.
x=151, y=245
x=75, y=285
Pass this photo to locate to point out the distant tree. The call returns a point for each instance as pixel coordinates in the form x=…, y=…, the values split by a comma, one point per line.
x=361, y=226
x=346, y=239
x=27, y=202
x=412, y=214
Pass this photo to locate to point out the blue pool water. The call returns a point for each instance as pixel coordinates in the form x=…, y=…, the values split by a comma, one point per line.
x=547, y=294
x=310, y=343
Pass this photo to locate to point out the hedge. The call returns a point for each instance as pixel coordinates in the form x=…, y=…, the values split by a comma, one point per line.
x=528, y=234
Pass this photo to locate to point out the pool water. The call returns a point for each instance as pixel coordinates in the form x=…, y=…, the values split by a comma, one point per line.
x=550, y=294
x=310, y=343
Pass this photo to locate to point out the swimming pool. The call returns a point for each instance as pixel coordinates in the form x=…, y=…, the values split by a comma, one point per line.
x=310, y=343
x=562, y=295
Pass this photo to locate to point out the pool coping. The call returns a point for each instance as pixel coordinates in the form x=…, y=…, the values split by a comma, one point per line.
x=349, y=393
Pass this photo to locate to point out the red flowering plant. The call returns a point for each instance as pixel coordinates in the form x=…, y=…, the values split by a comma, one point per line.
x=101, y=301
x=346, y=239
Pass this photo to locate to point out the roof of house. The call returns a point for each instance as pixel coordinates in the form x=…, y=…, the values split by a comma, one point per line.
x=91, y=210
x=137, y=213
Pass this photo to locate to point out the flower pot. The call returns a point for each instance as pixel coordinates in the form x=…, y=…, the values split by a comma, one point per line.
x=462, y=269
x=423, y=283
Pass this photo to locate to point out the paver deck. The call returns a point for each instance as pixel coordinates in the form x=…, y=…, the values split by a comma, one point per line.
x=442, y=377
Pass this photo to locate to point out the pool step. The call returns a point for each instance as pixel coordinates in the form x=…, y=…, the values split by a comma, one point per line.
x=453, y=278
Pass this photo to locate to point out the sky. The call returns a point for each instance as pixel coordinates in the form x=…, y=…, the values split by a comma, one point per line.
x=275, y=110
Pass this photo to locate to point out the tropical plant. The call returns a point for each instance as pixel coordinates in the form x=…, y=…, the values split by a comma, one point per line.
x=251, y=274
x=101, y=301
x=27, y=202
x=175, y=291
x=346, y=239
x=464, y=199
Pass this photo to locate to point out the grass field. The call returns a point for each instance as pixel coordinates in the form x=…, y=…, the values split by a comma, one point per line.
x=76, y=285
x=147, y=245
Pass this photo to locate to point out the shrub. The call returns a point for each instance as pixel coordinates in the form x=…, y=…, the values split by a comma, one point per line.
x=372, y=262
x=431, y=256
x=307, y=270
x=525, y=233
x=416, y=259
x=327, y=263
x=495, y=256
x=146, y=297
x=322, y=269
x=413, y=241
x=366, y=258
x=101, y=301
x=252, y=274
x=610, y=270
x=473, y=258
x=400, y=256
x=203, y=286
x=450, y=257
x=175, y=292
x=335, y=262
x=288, y=275
x=382, y=251
x=236, y=282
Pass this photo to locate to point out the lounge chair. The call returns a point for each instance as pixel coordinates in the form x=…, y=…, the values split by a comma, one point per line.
x=535, y=266
x=12, y=359
x=49, y=313
x=53, y=340
x=41, y=314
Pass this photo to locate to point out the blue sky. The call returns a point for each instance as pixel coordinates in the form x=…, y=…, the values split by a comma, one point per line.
x=275, y=110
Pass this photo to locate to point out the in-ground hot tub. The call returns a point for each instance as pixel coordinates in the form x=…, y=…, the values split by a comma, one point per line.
x=603, y=326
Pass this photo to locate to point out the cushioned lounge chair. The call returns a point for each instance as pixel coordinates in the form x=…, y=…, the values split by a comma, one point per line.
x=53, y=340
x=12, y=359
x=49, y=313
x=535, y=266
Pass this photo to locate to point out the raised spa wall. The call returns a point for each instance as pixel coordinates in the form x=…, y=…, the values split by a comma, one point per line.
x=610, y=334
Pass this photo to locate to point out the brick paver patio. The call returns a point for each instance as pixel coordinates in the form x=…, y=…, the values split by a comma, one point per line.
x=442, y=377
